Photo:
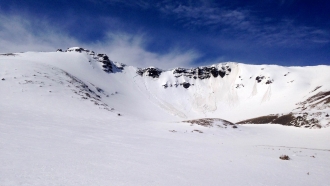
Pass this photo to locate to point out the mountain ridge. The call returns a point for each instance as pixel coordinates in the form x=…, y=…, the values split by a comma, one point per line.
x=232, y=91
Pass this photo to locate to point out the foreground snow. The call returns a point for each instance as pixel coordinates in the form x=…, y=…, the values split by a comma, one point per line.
x=41, y=149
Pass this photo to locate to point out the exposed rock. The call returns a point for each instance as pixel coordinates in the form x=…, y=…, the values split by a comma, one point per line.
x=99, y=90
x=186, y=84
x=211, y=122
x=179, y=71
x=269, y=81
x=108, y=65
x=222, y=73
x=284, y=157
x=296, y=120
x=202, y=72
x=260, y=78
x=259, y=120
x=320, y=100
x=196, y=73
x=316, y=89
x=150, y=71
x=214, y=72
x=196, y=130
x=119, y=66
x=239, y=86
x=287, y=74
x=8, y=54
x=75, y=49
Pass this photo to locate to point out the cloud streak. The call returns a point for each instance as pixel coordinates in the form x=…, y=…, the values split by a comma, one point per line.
x=207, y=16
x=131, y=3
x=18, y=34
x=131, y=50
x=239, y=23
x=287, y=33
x=242, y=24
x=164, y=34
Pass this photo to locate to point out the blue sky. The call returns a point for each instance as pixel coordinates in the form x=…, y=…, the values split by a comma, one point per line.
x=173, y=33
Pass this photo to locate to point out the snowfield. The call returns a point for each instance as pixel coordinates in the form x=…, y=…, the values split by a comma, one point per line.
x=77, y=118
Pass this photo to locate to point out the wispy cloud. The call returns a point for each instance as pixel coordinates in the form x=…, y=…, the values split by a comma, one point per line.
x=239, y=23
x=207, y=16
x=288, y=33
x=243, y=24
x=131, y=49
x=231, y=33
x=132, y=3
x=20, y=34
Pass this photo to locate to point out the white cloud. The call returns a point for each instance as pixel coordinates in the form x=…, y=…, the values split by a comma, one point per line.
x=287, y=33
x=130, y=49
x=245, y=25
x=207, y=15
x=20, y=34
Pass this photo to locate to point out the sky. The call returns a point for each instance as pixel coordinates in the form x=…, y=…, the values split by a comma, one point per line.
x=169, y=34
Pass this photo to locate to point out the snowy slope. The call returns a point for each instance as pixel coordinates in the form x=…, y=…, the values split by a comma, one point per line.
x=231, y=91
x=68, y=78
x=78, y=118
x=246, y=91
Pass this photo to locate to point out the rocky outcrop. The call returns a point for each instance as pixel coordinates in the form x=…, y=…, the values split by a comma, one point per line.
x=301, y=116
x=108, y=65
x=212, y=122
x=186, y=84
x=202, y=72
x=319, y=101
x=296, y=120
x=261, y=78
x=150, y=72
x=196, y=73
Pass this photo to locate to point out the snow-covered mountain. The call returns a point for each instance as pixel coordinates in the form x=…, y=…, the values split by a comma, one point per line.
x=236, y=92
x=75, y=117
